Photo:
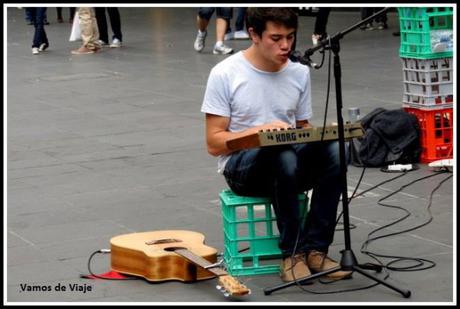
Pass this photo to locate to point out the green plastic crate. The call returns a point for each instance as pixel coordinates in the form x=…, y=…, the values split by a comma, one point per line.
x=426, y=33
x=250, y=234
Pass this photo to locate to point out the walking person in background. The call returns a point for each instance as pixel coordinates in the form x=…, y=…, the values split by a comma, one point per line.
x=320, y=32
x=223, y=16
x=115, y=23
x=240, y=32
x=89, y=32
x=380, y=20
x=40, y=41
x=60, y=19
x=29, y=18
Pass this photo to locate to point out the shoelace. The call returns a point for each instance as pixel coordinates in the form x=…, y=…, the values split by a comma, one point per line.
x=323, y=256
x=296, y=259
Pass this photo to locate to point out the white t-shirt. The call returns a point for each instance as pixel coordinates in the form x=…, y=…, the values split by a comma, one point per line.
x=251, y=97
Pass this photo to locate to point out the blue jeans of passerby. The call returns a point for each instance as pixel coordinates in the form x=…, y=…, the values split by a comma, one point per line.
x=239, y=21
x=38, y=16
x=282, y=172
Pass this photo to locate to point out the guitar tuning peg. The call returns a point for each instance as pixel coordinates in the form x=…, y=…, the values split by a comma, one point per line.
x=223, y=290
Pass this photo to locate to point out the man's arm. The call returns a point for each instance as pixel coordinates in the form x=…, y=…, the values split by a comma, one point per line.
x=217, y=133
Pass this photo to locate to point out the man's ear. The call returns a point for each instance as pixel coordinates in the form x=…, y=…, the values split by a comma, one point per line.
x=254, y=36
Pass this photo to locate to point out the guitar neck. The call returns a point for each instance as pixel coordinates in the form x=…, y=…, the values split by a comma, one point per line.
x=230, y=286
x=294, y=136
x=200, y=261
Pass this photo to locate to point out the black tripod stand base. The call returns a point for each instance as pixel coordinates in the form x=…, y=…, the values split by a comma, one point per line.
x=403, y=292
x=358, y=269
x=370, y=266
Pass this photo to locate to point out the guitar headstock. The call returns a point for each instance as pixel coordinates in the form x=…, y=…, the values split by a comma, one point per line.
x=232, y=287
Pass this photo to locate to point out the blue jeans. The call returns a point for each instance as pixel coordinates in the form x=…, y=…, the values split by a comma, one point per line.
x=282, y=172
x=240, y=16
x=38, y=16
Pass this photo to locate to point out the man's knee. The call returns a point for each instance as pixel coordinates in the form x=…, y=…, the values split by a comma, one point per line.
x=287, y=163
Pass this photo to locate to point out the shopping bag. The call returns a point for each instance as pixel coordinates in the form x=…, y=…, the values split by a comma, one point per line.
x=75, y=34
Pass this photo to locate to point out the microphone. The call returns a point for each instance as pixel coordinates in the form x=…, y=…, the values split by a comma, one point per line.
x=296, y=56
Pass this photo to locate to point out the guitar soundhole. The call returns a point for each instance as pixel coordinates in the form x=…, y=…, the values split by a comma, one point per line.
x=172, y=249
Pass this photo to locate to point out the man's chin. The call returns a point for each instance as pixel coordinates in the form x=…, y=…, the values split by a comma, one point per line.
x=282, y=59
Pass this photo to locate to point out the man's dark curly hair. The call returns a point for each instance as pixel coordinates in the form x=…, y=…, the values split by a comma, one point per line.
x=257, y=17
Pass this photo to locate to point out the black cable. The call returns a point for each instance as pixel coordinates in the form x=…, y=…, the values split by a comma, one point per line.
x=389, y=266
x=322, y=59
x=101, y=251
x=328, y=90
x=352, y=226
x=357, y=185
x=378, y=185
x=419, y=263
x=354, y=195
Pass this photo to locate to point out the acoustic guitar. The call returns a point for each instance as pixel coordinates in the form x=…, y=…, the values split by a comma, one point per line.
x=171, y=255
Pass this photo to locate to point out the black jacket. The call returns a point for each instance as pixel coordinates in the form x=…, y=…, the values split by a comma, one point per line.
x=391, y=136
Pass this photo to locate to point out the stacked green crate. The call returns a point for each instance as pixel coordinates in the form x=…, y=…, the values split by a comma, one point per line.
x=426, y=33
x=250, y=233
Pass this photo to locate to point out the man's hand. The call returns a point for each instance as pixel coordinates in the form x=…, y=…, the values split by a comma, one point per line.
x=277, y=124
x=217, y=133
x=304, y=124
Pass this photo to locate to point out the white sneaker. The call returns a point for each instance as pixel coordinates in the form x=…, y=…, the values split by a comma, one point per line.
x=42, y=47
x=115, y=43
x=102, y=43
x=222, y=49
x=35, y=51
x=229, y=36
x=241, y=35
x=315, y=38
x=200, y=40
x=369, y=27
x=382, y=26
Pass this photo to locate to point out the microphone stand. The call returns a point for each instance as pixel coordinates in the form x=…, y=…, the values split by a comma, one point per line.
x=348, y=261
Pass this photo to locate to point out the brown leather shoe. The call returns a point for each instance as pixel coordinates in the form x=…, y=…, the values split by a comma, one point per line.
x=83, y=51
x=294, y=268
x=318, y=261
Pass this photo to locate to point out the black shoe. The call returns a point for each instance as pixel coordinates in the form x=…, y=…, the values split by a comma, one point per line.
x=397, y=33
